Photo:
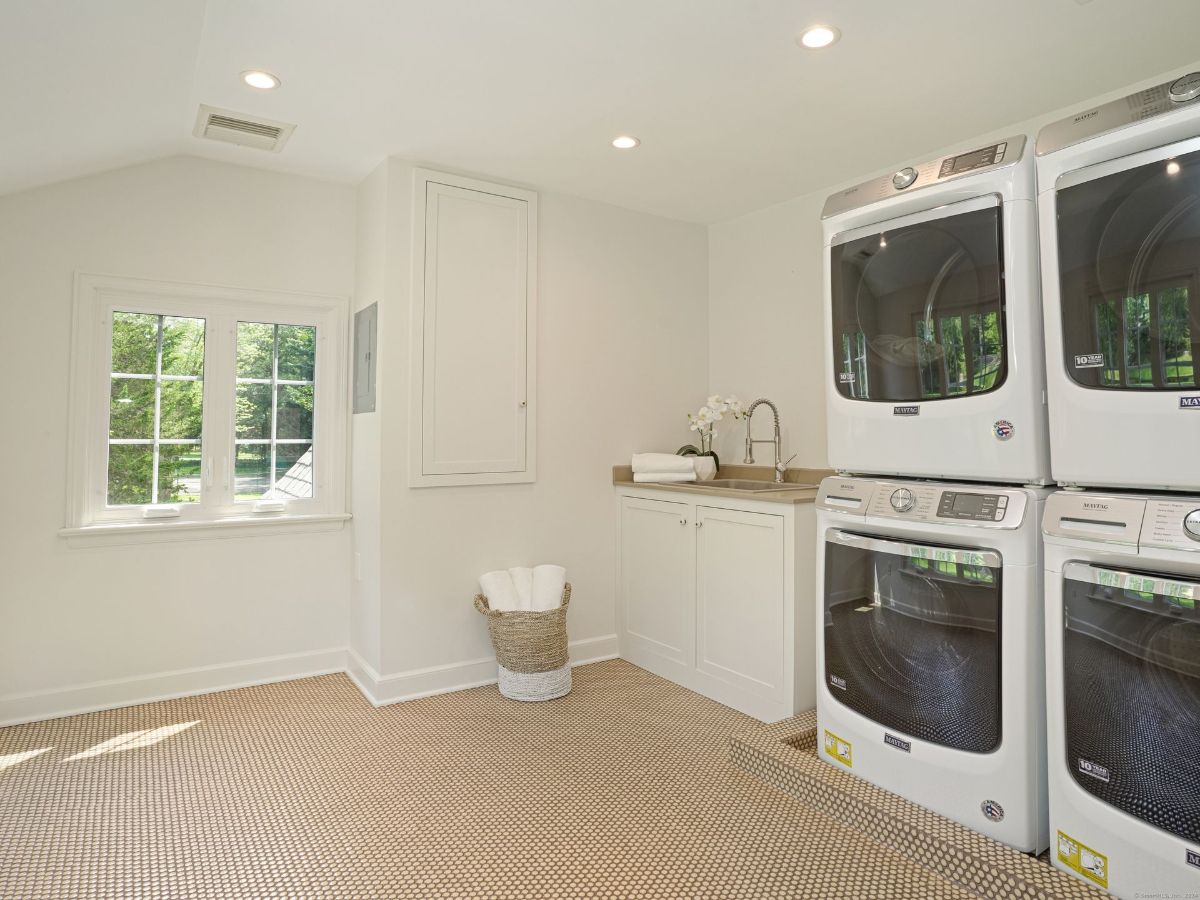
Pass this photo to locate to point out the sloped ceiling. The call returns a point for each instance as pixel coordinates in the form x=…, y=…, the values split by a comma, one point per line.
x=733, y=116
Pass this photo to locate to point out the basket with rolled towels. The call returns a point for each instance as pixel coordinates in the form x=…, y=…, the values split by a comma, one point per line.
x=526, y=613
x=666, y=468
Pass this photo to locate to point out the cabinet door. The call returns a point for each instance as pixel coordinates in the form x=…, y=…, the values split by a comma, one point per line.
x=657, y=588
x=740, y=604
x=473, y=332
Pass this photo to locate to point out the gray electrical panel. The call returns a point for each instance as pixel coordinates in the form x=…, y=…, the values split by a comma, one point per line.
x=366, y=322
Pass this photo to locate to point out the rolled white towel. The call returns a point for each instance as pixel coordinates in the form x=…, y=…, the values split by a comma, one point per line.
x=499, y=590
x=522, y=579
x=706, y=468
x=661, y=462
x=663, y=477
x=548, y=584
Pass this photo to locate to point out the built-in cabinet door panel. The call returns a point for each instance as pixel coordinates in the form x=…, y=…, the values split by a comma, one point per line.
x=740, y=599
x=473, y=333
x=657, y=587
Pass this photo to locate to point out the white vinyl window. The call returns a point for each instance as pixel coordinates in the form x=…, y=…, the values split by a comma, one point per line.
x=196, y=405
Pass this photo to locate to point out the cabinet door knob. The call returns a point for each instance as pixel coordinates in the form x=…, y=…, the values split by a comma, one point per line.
x=699, y=524
x=683, y=521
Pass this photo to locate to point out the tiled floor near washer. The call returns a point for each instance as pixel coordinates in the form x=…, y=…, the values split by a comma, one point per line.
x=301, y=789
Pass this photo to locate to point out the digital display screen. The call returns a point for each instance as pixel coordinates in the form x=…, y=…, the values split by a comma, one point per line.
x=971, y=504
x=971, y=160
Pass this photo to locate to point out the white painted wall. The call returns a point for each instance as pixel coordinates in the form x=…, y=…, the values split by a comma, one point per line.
x=766, y=304
x=621, y=337
x=70, y=617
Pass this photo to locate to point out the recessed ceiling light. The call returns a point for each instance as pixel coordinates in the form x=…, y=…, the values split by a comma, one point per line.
x=1173, y=168
x=257, y=78
x=817, y=36
x=625, y=142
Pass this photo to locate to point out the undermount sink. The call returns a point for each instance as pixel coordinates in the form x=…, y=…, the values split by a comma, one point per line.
x=749, y=484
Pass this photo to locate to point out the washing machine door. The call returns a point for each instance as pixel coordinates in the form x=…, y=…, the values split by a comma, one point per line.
x=912, y=637
x=918, y=306
x=1129, y=258
x=1131, y=692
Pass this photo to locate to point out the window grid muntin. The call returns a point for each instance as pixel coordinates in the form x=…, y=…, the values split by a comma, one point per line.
x=275, y=382
x=156, y=441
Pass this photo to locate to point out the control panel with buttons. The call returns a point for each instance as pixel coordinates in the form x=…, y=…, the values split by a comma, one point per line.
x=927, y=502
x=920, y=176
x=1172, y=524
x=969, y=505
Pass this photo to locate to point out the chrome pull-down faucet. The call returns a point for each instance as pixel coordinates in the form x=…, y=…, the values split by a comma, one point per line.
x=780, y=466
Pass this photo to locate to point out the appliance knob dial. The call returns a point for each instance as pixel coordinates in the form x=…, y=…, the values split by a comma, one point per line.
x=1185, y=88
x=1191, y=524
x=904, y=178
x=903, y=500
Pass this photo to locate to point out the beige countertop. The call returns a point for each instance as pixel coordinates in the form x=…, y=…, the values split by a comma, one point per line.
x=623, y=477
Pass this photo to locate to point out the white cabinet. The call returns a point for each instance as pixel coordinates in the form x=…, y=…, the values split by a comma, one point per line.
x=472, y=406
x=716, y=594
x=657, y=571
x=741, y=604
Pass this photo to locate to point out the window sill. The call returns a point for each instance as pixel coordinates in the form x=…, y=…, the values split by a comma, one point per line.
x=118, y=533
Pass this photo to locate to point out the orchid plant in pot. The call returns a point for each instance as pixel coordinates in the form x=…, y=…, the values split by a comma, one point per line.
x=704, y=421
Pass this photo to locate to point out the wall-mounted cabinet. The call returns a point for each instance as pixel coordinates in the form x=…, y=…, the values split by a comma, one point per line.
x=473, y=406
x=716, y=594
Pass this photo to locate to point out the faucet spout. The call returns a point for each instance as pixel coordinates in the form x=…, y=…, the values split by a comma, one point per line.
x=776, y=438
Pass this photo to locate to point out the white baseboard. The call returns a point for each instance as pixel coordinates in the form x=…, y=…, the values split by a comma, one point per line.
x=35, y=706
x=382, y=690
x=54, y=703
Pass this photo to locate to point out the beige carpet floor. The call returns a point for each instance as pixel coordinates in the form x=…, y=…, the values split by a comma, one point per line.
x=301, y=789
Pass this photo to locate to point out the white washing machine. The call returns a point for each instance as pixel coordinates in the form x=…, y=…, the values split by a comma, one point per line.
x=1123, y=690
x=933, y=321
x=929, y=648
x=1119, y=200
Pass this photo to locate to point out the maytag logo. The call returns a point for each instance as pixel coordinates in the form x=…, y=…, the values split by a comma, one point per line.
x=1189, y=402
x=1091, y=504
x=1193, y=858
x=838, y=682
x=1087, y=767
x=896, y=742
x=1083, y=117
x=916, y=410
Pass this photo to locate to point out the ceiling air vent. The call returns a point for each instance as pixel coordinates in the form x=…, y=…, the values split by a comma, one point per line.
x=241, y=129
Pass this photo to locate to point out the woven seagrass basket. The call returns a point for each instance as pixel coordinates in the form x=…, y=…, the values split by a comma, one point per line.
x=531, y=648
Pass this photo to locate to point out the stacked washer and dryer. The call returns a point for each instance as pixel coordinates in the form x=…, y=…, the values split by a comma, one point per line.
x=1119, y=209
x=929, y=559
x=955, y=646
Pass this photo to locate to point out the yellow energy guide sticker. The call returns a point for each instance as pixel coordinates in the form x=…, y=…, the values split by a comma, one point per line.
x=1082, y=859
x=838, y=749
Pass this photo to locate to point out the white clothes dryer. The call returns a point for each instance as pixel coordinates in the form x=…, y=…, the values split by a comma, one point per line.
x=1119, y=201
x=933, y=321
x=929, y=647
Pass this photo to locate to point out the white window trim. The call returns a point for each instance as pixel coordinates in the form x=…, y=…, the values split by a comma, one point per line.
x=89, y=519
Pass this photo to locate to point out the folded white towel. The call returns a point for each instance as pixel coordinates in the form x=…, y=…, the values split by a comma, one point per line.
x=661, y=462
x=522, y=579
x=499, y=590
x=706, y=468
x=663, y=477
x=548, y=584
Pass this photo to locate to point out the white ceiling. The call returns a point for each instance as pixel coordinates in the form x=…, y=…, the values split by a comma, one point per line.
x=733, y=116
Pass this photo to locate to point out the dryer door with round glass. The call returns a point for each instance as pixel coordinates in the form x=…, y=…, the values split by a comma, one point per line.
x=912, y=637
x=1131, y=692
x=918, y=306
x=1129, y=259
